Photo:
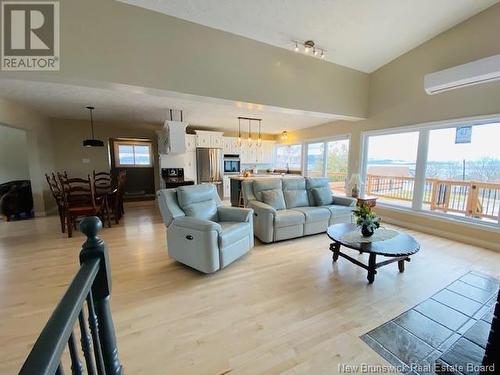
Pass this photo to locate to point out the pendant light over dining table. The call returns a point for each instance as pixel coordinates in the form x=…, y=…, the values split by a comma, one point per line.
x=92, y=142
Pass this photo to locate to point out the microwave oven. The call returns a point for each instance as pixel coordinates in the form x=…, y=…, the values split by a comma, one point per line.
x=232, y=164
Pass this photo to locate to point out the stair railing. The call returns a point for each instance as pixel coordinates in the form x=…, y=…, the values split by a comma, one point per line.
x=91, y=286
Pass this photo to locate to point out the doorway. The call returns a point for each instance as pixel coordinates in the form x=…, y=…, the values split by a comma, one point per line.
x=135, y=157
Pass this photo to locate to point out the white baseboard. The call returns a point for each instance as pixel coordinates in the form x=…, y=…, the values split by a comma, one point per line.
x=452, y=236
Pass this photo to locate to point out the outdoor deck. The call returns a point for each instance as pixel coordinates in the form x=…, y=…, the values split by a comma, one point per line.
x=475, y=199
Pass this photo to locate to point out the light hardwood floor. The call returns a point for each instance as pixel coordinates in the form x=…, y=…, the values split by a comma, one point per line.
x=284, y=308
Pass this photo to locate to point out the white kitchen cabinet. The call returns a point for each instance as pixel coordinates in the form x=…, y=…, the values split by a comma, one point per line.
x=267, y=154
x=202, y=140
x=190, y=166
x=226, y=145
x=208, y=139
x=216, y=140
x=254, y=154
x=190, y=143
x=230, y=145
x=227, y=187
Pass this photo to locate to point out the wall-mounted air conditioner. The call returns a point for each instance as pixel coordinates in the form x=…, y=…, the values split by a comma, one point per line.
x=473, y=73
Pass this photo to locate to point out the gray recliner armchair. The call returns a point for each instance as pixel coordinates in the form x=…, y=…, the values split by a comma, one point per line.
x=202, y=233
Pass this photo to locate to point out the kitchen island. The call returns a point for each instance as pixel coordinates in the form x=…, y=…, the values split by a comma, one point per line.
x=236, y=200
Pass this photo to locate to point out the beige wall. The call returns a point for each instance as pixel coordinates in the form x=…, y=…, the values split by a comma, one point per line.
x=40, y=155
x=69, y=154
x=13, y=155
x=397, y=98
x=108, y=41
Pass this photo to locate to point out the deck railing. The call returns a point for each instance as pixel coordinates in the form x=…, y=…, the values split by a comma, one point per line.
x=91, y=286
x=475, y=199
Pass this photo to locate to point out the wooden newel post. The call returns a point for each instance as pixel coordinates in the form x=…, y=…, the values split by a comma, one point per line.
x=93, y=248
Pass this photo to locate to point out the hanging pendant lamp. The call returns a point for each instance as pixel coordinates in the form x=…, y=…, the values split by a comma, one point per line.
x=92, y=142
x=249, y=132
x=239, y=131
x=259, y=140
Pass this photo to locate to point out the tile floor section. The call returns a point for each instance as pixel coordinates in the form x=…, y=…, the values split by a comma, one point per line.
x=450, y=327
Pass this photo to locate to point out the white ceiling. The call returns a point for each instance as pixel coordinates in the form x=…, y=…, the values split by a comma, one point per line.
x=135, y=105
x=360, y=34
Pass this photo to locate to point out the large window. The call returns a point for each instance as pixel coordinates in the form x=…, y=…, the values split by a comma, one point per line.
x=464, y=178
x=450, y=170
x=315, y=159
x=329, y=158
x=133, y=154
x=391, y=164
x=288, y=157
x=337, y=163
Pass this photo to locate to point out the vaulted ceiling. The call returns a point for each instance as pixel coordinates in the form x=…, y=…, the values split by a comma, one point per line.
x=360, y=34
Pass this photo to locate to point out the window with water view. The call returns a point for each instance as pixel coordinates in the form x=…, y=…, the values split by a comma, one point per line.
x=462, y=170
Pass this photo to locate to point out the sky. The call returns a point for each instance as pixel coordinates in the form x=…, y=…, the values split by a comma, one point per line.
x=442, y=147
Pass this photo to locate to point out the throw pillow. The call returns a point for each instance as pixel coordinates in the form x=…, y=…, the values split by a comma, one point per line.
x=274, y=198
x=322, y=196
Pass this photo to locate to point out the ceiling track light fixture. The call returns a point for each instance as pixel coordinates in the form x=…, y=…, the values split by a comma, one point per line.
x=310, y=46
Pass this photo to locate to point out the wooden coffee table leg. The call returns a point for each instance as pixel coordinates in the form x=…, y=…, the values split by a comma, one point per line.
x=335, y=248
x=371, y=268
x=401, y=264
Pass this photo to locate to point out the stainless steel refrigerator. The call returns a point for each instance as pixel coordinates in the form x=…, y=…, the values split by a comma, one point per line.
x=209, y=167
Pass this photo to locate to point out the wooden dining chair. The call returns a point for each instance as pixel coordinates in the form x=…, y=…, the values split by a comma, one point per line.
x=103, y=192
x=79, y=201
x=57, y=193
x=122, y=179
x=102, y=182
x=116, y=197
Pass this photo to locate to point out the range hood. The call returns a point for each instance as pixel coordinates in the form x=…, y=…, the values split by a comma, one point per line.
x=172, y=138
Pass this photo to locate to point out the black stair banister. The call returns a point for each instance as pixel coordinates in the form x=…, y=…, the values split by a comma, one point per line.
x=91, y=286
x=491, y=360
x=94, y=248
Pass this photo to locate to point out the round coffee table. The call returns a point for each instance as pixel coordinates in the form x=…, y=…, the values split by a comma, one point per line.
x=398, y=248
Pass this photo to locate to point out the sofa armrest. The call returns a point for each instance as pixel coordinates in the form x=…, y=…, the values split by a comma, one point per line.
x=235, y=214
x=190, y=222
x=261, y=208
x=344, y=201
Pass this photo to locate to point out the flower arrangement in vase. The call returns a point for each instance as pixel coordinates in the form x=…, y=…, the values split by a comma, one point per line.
x=366, y=219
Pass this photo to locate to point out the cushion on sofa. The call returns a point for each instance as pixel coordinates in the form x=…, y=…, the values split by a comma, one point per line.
x=274, y=198
x=294, y=190
x=313, y=214
x=263, y=184
x=285, y=218
x=322, y=196
x=315, y=182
